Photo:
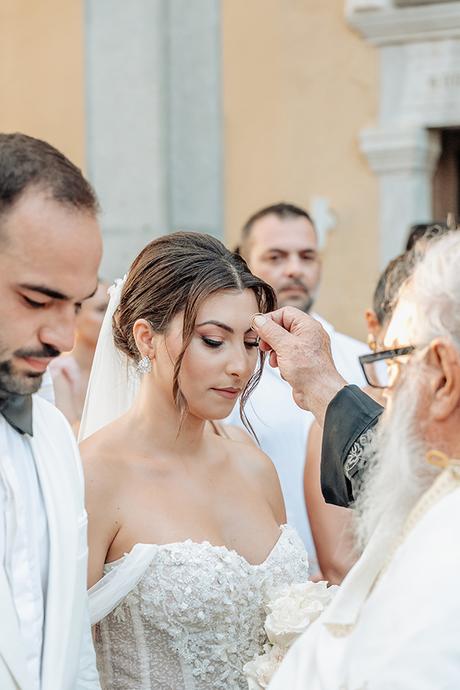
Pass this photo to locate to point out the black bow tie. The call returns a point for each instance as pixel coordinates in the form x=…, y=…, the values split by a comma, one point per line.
x=17, y=410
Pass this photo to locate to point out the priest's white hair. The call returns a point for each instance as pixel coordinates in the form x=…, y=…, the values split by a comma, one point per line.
x=398, y=472
x=435, y=287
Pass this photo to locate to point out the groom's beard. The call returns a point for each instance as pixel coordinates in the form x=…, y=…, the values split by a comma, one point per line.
x=398, y=472
x=14, y=382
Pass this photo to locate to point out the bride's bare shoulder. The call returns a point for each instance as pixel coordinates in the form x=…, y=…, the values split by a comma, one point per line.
x=103, y=450
x=255, y=467
x=235, y=433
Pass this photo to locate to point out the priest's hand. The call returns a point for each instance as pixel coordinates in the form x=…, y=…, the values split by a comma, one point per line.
x=301, y=348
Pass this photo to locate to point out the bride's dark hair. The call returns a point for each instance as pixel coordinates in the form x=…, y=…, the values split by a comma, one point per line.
x=177, y=273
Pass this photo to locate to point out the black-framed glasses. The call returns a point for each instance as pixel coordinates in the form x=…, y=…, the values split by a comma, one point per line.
x=377, y=365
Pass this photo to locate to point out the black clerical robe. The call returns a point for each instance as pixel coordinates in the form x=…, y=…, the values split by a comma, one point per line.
x=350, y=419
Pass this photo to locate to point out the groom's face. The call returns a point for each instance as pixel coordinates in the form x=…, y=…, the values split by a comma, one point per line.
x=49, y=256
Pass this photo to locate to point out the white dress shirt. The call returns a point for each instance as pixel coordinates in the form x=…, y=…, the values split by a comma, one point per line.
x=47, y=388
x=24, y=543
x=282, y=428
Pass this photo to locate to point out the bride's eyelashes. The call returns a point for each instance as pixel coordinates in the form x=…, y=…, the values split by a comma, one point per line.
x=210, y=342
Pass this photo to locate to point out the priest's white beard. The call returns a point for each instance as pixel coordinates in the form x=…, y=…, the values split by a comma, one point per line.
x=398, y=472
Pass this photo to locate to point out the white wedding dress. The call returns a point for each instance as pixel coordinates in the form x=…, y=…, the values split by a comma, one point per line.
x=187, y=616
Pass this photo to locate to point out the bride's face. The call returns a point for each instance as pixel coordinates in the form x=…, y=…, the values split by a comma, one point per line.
x=220, y=358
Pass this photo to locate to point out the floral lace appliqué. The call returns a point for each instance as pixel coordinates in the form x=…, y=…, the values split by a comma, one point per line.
x=195, y=618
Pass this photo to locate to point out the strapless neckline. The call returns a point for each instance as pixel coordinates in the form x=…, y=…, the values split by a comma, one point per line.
x=187, y=615
x=205, y=544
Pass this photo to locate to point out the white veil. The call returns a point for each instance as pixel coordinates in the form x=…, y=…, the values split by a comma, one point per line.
x=114, y=380
x=113, y=384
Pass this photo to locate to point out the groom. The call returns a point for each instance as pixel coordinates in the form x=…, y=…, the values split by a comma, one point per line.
x=395, y=623
x=50, y=247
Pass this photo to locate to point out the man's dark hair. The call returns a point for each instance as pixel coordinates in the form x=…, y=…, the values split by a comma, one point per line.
x=282, y=210
x=427, y=230
x=389, y=283
x=399, y=269
x=28, y=162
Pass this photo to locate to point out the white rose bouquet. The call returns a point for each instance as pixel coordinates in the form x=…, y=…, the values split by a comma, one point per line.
x=291, y=609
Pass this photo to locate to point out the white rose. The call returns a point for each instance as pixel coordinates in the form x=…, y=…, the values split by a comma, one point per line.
x=293, y=608
x=261, y=669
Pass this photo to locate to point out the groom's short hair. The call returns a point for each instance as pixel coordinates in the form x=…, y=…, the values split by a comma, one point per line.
x=28, y=162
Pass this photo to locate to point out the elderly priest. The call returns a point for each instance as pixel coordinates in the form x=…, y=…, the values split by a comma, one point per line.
x=396, y=621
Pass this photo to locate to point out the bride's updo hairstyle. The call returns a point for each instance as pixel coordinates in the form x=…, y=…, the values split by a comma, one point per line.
x=177, y=273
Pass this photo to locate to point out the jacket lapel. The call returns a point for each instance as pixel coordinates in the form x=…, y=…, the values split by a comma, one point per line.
x=51, y=448
x=11, y=644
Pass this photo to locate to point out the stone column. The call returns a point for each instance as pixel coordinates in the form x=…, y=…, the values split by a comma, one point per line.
x=154, y=124
x=195, y=181
x=404, y=160
x=419, y=49
x=126, y=124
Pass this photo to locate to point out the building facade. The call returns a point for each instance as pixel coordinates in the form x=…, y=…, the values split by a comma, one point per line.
x=193, y=115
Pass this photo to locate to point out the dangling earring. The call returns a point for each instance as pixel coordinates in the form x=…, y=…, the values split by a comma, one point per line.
x=144, y=366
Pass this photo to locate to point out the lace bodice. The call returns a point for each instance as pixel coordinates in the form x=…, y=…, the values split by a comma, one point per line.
x=194, y=618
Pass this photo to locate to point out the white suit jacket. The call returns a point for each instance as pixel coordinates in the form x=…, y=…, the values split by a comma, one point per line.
x=68, y=654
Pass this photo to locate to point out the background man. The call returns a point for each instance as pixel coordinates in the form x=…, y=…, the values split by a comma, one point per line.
x=72, y=370
x=50, y=248
x=279, y=243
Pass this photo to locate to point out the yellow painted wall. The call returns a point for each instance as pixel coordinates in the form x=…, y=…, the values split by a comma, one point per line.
x=298, y=86
x=42, y=72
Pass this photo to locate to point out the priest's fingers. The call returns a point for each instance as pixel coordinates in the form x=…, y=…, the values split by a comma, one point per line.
x=300, y=347
x=273, y=359
x=272, y=333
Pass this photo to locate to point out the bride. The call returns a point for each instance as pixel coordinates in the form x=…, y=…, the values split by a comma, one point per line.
x=186, y=525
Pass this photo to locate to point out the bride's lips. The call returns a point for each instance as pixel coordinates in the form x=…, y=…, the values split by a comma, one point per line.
x=39, y=364
x=228, y=393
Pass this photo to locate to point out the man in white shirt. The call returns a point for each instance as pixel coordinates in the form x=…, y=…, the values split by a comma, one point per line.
x=280, y=245
x=50, y=248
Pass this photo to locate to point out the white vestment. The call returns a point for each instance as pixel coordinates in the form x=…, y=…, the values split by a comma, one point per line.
x=282, y=428
x=68, y=661
x=393, y=625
